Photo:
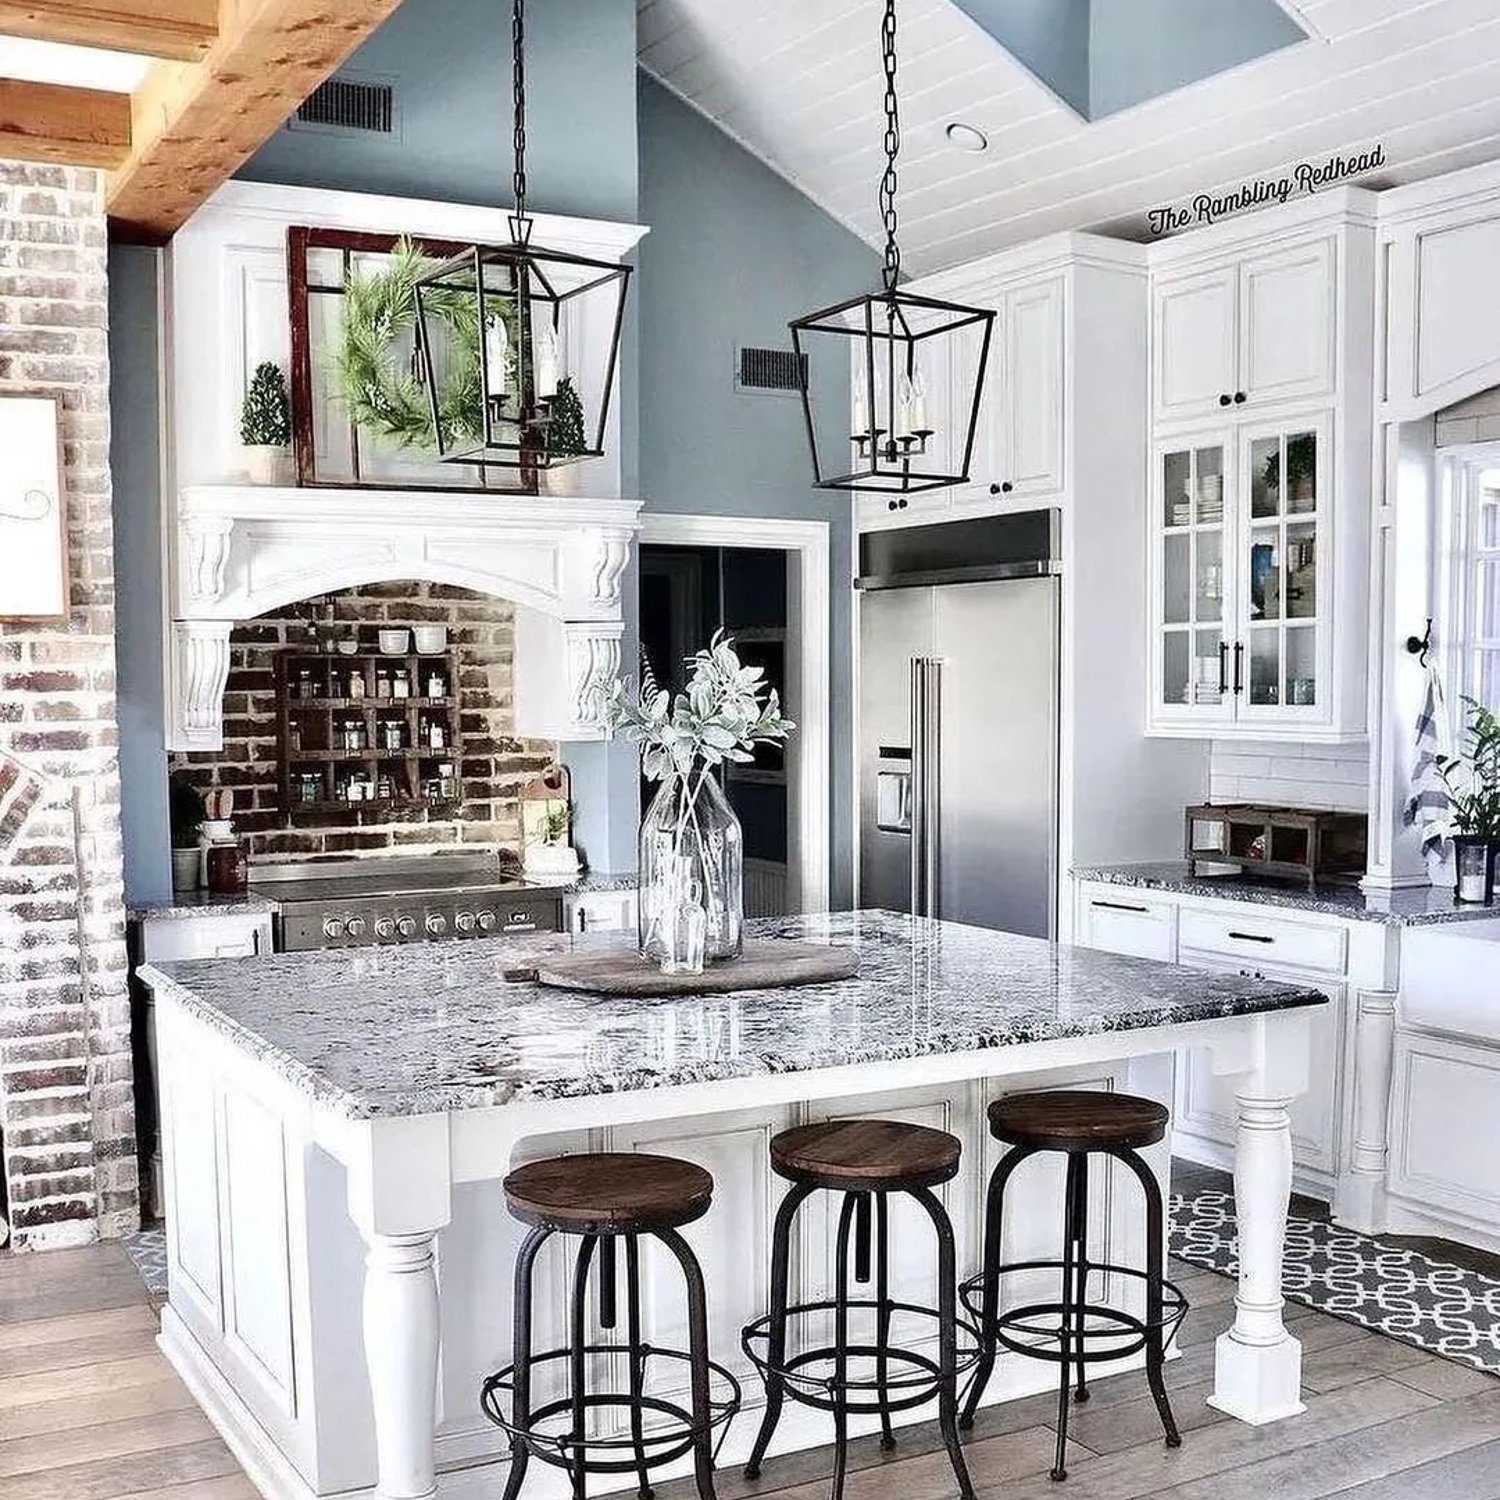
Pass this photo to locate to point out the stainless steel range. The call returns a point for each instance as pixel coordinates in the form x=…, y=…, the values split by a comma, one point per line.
x=357, y=902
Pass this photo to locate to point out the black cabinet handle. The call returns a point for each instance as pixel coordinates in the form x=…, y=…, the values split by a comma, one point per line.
x=994, y=489
x=1239, y=398
x=1120, y=906
x=1006, y=487
x=1224, y=400
x=901, y=504
x=1252, y=937
x=890, y=505
x=1239, y=666
x=1223, y=667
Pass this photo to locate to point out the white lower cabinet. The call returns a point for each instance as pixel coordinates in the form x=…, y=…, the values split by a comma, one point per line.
x=1228, y=937
x=600, y=911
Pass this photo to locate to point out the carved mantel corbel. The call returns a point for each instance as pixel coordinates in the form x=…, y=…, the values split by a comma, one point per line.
x=200, y=670
x=205, y=558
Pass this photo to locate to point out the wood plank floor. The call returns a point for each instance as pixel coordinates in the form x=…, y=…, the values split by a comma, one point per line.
x=89, y=1410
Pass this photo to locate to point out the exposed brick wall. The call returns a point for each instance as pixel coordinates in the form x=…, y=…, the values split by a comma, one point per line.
x=492, y=762
x=66, y=1104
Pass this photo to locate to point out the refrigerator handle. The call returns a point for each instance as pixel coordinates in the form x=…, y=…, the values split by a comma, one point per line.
x=926, y=753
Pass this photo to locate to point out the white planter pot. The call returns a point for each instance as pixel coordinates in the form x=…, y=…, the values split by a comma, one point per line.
x=264, y=464
x=550, y=862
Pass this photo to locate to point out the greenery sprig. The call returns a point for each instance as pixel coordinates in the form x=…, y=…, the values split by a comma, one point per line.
x=1473, y=776
x=725, y=713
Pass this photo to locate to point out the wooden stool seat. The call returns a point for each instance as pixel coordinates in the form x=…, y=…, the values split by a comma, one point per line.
x=871, y=1156
x=1078, y=1120
x=609, y=1192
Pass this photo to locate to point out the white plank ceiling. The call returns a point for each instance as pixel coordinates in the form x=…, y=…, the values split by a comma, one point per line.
x=798, y=83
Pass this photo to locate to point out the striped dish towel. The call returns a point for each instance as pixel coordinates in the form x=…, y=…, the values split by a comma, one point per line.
x=1427, y=807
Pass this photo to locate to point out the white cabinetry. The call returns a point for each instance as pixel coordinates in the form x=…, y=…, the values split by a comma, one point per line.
x=1337, y=958
x=1255, y=330
x=600, y=911
x=1018, y=438
x=1262, y=357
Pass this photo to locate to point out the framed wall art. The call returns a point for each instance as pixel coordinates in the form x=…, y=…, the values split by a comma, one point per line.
x=33, y=511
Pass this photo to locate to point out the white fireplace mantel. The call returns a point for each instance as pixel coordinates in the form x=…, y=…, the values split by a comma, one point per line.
x=237, y=550
x=245, y=550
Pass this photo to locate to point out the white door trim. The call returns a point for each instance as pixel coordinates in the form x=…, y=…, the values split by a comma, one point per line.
x=809, y=789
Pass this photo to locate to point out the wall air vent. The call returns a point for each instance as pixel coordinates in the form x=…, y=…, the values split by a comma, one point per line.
x=769, y=371
x=349, y=104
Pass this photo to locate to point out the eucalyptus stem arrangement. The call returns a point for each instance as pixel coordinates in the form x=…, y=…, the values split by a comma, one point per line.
x=691, y=848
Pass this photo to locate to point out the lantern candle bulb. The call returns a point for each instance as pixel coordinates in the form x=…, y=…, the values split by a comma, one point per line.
x=547, y=363
x=496, y=356
x=861, y=418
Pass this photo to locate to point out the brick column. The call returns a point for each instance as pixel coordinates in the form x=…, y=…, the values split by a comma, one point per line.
x=66, y=1102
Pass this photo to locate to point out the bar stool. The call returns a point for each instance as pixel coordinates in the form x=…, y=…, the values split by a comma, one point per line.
x=1073, y=1331
x=604, y=1198
x=866, y=1161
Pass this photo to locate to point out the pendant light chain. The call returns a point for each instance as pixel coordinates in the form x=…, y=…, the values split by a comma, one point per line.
x=518, y=53
x=892, y=272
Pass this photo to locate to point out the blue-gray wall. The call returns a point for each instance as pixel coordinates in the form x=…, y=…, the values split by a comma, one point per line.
x=732, y=254
x=134, y=461
x=734, y=251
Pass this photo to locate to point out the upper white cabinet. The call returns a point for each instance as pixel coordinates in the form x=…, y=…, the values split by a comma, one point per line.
x=1017, y=452
x=1256, y=329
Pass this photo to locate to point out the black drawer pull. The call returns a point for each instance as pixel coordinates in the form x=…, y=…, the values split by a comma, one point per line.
x=1122, y=906
x=1252, y=937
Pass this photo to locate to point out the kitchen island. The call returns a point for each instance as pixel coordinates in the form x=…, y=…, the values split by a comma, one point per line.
x=336, y=1125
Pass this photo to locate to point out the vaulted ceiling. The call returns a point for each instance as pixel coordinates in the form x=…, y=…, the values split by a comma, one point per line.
x=798, y=82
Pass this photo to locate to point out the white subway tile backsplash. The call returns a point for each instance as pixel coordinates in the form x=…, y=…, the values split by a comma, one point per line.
x=1291, y=773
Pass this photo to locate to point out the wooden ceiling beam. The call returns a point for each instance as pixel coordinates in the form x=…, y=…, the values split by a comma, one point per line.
x=196, y=124
x=47, y=122
x=179, y=29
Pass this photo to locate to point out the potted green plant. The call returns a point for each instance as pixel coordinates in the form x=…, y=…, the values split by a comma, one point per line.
x=1301, y=471
x=266, y=425
x=1472, y=778
x=566, y=437
x=549, y=854
x=691, y=848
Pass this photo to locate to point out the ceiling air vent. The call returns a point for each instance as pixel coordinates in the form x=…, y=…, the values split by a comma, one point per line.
x=777, y=372
x=349, y=104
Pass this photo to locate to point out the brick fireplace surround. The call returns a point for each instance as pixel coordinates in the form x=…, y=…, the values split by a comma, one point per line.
x=66, y=1102
x=492, y=761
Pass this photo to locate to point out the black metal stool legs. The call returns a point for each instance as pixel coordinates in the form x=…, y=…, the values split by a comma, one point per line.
x=697, y=1301
x=520, y=1454
x=781, y=1255
x=1074, y=1278
x=883, y=1314
x=947, y=1337
x=839, y=1388
x=1156, y=1341
x=577, y=1343
x=637, y=1360
x=990, y=1307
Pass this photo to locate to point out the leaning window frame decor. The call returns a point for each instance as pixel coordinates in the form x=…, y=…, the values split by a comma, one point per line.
x=302, y=240
x=1460, y=576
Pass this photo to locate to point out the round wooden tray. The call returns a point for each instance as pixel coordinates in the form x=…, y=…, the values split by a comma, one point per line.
x=766, y=964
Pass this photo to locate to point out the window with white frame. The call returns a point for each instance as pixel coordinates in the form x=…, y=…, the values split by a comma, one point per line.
x=1471, y=588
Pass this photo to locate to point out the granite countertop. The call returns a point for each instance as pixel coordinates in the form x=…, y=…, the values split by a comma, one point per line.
x=181, y=905
x=1418, y=906
x=434, y=1027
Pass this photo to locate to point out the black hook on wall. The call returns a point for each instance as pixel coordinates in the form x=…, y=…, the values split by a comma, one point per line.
x=1420, y=645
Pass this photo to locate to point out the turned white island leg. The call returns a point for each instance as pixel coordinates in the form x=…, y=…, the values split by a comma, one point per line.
x=399, y=1198
x=1257, y=1363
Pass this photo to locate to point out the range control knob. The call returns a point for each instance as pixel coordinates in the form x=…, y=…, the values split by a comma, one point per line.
x=437, y=924
x=333, y=929
x=355, y=927
x=486, y=921
x=406, y=926
x=464, y=921
x=385, y=927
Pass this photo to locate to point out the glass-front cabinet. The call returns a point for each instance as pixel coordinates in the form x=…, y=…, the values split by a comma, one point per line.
x=1239, y=560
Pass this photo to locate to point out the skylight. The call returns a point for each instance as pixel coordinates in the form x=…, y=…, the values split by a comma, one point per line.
x=78, y=67
x=1102, y=56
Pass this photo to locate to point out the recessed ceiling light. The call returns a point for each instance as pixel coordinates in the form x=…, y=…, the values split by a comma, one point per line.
x=966, y=137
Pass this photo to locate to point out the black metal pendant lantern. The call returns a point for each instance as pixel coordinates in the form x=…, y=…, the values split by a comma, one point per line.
x=518, y=345
x=893, y=434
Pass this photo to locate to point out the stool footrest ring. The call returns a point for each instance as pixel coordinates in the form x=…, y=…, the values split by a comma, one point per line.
x=662, y=1442
x=1037, y=1329
x=809, y=1373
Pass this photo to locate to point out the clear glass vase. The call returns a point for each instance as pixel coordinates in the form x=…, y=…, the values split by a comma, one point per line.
x=691, y=876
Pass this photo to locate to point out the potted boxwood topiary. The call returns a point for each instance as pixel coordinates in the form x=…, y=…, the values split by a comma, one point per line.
x=266, y=425
x=565, y=434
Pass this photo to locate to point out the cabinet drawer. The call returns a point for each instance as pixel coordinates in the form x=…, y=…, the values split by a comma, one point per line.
x=1120, y=921
x=1262, y=940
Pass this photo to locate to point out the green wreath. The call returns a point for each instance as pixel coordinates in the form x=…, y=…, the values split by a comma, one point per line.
x=382, y=397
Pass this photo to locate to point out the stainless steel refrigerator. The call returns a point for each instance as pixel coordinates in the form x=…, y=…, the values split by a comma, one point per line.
x=958, y=721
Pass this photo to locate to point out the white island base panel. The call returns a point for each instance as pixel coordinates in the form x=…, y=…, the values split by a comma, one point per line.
x=340, y=1287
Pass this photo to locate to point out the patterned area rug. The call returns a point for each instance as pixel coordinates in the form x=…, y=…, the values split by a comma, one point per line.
x=148, y=1249
x=1403, y=1294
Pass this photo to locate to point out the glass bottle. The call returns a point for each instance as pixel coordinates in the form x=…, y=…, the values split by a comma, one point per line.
x=691, y=856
